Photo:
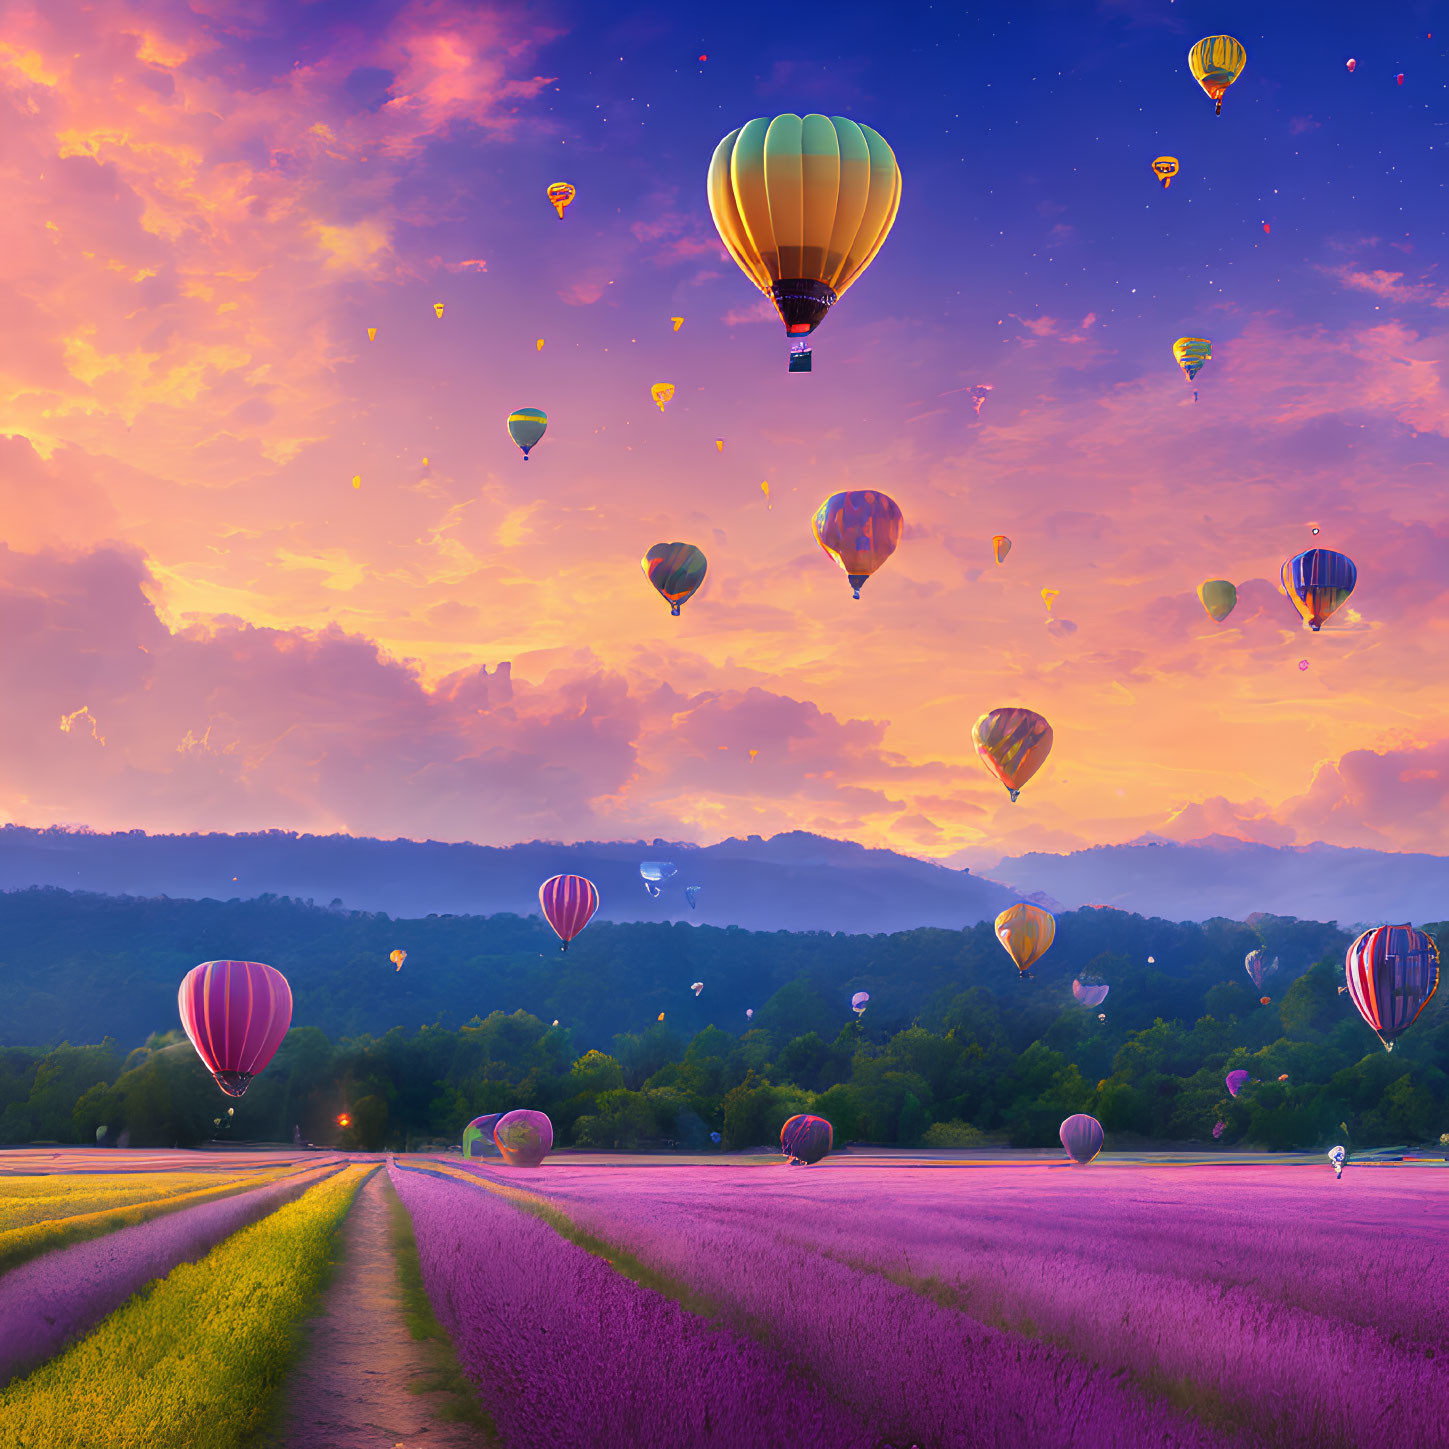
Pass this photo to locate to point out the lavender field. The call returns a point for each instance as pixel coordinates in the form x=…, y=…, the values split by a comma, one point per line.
x=952, y=1304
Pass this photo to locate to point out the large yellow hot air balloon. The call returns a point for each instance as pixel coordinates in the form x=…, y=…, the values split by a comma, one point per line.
x=1027, y=932
x=1218, y=597
x=1216, y=61
x=1013, y=743
x=803, y=204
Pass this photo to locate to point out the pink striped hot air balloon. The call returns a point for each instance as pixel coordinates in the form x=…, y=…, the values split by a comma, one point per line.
x=569, y=903
x=236, y=1014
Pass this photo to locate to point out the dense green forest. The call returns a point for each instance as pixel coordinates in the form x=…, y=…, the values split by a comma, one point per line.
x=954, y=1049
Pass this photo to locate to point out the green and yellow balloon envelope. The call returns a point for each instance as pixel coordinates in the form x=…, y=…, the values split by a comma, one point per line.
x=1218, y=597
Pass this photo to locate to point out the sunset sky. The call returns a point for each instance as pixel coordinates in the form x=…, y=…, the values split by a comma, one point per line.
x=207, y=626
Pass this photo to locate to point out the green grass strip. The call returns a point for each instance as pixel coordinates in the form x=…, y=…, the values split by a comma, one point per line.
x=197, y=1357
x=457, y=1399
x=20, y=1245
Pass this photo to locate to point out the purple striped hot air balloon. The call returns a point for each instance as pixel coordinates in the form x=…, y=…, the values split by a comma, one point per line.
x=806, y=1139
x=569, y=903
x=1392, y=972
x=1082, y=1137
x=236, y=1014
x=524, y=1138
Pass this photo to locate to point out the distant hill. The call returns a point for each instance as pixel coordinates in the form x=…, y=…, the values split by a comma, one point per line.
x=794, y=882
x=1219, y=876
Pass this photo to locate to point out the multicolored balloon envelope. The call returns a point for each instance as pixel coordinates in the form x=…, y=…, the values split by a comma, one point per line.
x=1392, y=972
x=1236, y=1081
x=236, y=1014
x=1336, y=1156
x=803, y=204
x=569, y=903
x=1000, y=547
x=524, y=1138
x=806, y=1139
x=1013, y=743
x=859, y=531
x=655, y=872
x=1191, y=353
x=526, y=426
x=1216, y=61
x=1218, y=597
x=1164, y=168
x=1089, y=995
x=1026, y=932
x=1318, y=581
x=676, y=570
x=561, y=194
x=1082, y=1137
x=478, y=1136
x=1257, y=965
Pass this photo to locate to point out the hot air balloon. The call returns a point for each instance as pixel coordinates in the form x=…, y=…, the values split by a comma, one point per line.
x=1089, y=995
x=526, y=426
x=438, y=308
x=1000, y=547
x=560, y=194
x=1082, y=1137
x=765, y=489
x=696, y=987
x=1265, y=1000
x=714, y=1137
x=1352, y=66
x=661, y=392
x=803, y=204
x=1218, y=597
x=749, y=1013
x=1165, y=168
x=1392, y=971
x=719, y=445
x=1101, y=1016
x=1317, y=582
x=539, y=344
x=1216, y=62
x=858, y=1002
x=661, y=1016
x=676, y=570
x=1191, y=353
x=236, y=1014
x=398, y=957
x=1013, y=743
x=1336, y=1155
x=1026, y=932
x=806, y=1139
x=372, y=334
x=478, y=1136
x=1399, y=78
x=1236, y=1081
x=524, y=1138
x=1218, y=1128
x=655, y=873
x=1049, y=597
x=569, y=903
x=1255, y=963
x=678, y=322
x=1284, y=1077
x=691, y=894
x=859, y=531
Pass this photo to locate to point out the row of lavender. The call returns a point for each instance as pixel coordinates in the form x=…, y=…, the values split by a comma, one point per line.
x=1275, y=1305
x=804, y=1350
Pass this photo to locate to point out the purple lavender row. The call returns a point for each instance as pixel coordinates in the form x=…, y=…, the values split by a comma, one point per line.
x=53, y=1299
x=565, y=1351
x=917, y=1371
x=1017, y=1253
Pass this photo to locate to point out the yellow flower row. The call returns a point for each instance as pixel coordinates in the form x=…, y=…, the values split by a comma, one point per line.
x=20, y=1244
x=26, y=1200
x=197, y=1357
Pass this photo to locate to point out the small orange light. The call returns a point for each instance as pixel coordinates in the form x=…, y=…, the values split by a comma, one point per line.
x=343, y=1120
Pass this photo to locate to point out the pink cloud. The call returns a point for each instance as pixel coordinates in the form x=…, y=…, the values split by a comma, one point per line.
x=1391, y=286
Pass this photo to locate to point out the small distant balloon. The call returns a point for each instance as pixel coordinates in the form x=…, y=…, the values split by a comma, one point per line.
x=1236, y=1081
x=1265, y=1001
x=719, y=445
x=858, y=1002
x=438, y=308
x=678, y=322
x=1400, y=77
x=1049, y=597
x=978, y=395
x=805, y=1138
x=1089, y=995
x=398, y=957
x=539, y=344
x=1303, y=664
x=1284, y=1077
x=1000, y=547
x=1082, y=1136
x=1352, y=66
x=1336, y=1155
x=714, y=1136
x=526, y=426
x=753, y=753
x=1218, y=597
x=1013, y=744
x=1218, y=1128
x=357, y=480
x=764, y=488
x=696, y=987
x=749, y=1013
x=1165, y=168
x=662, y=392
x=1315, y=530
x=691, y=894
x=1101, y=1016
x=1152, y=960
x=372, y=334
x=661, y=1016
x=1267, y=228
x=561, y=194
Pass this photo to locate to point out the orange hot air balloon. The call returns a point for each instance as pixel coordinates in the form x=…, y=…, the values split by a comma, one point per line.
x=561, y=194
x=662, y=392
x=719, y=445
x=859, y=531
x=1026, y=932
x=1264, y=1000
x=1013, y=743
x=438, y=308
x=540, y=344
x=1000, y=547
x=661, y=1016
x=678, y=322
x=372, y=334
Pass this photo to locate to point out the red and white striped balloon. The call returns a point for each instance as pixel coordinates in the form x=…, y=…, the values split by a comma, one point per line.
x=569, y=903
x=236, y=1014
x=1392, y=971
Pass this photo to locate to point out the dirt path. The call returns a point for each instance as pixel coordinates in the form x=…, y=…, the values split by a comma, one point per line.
x=350, y=1390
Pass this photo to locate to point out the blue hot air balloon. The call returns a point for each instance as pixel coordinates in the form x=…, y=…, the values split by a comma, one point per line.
x=1317, y=582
